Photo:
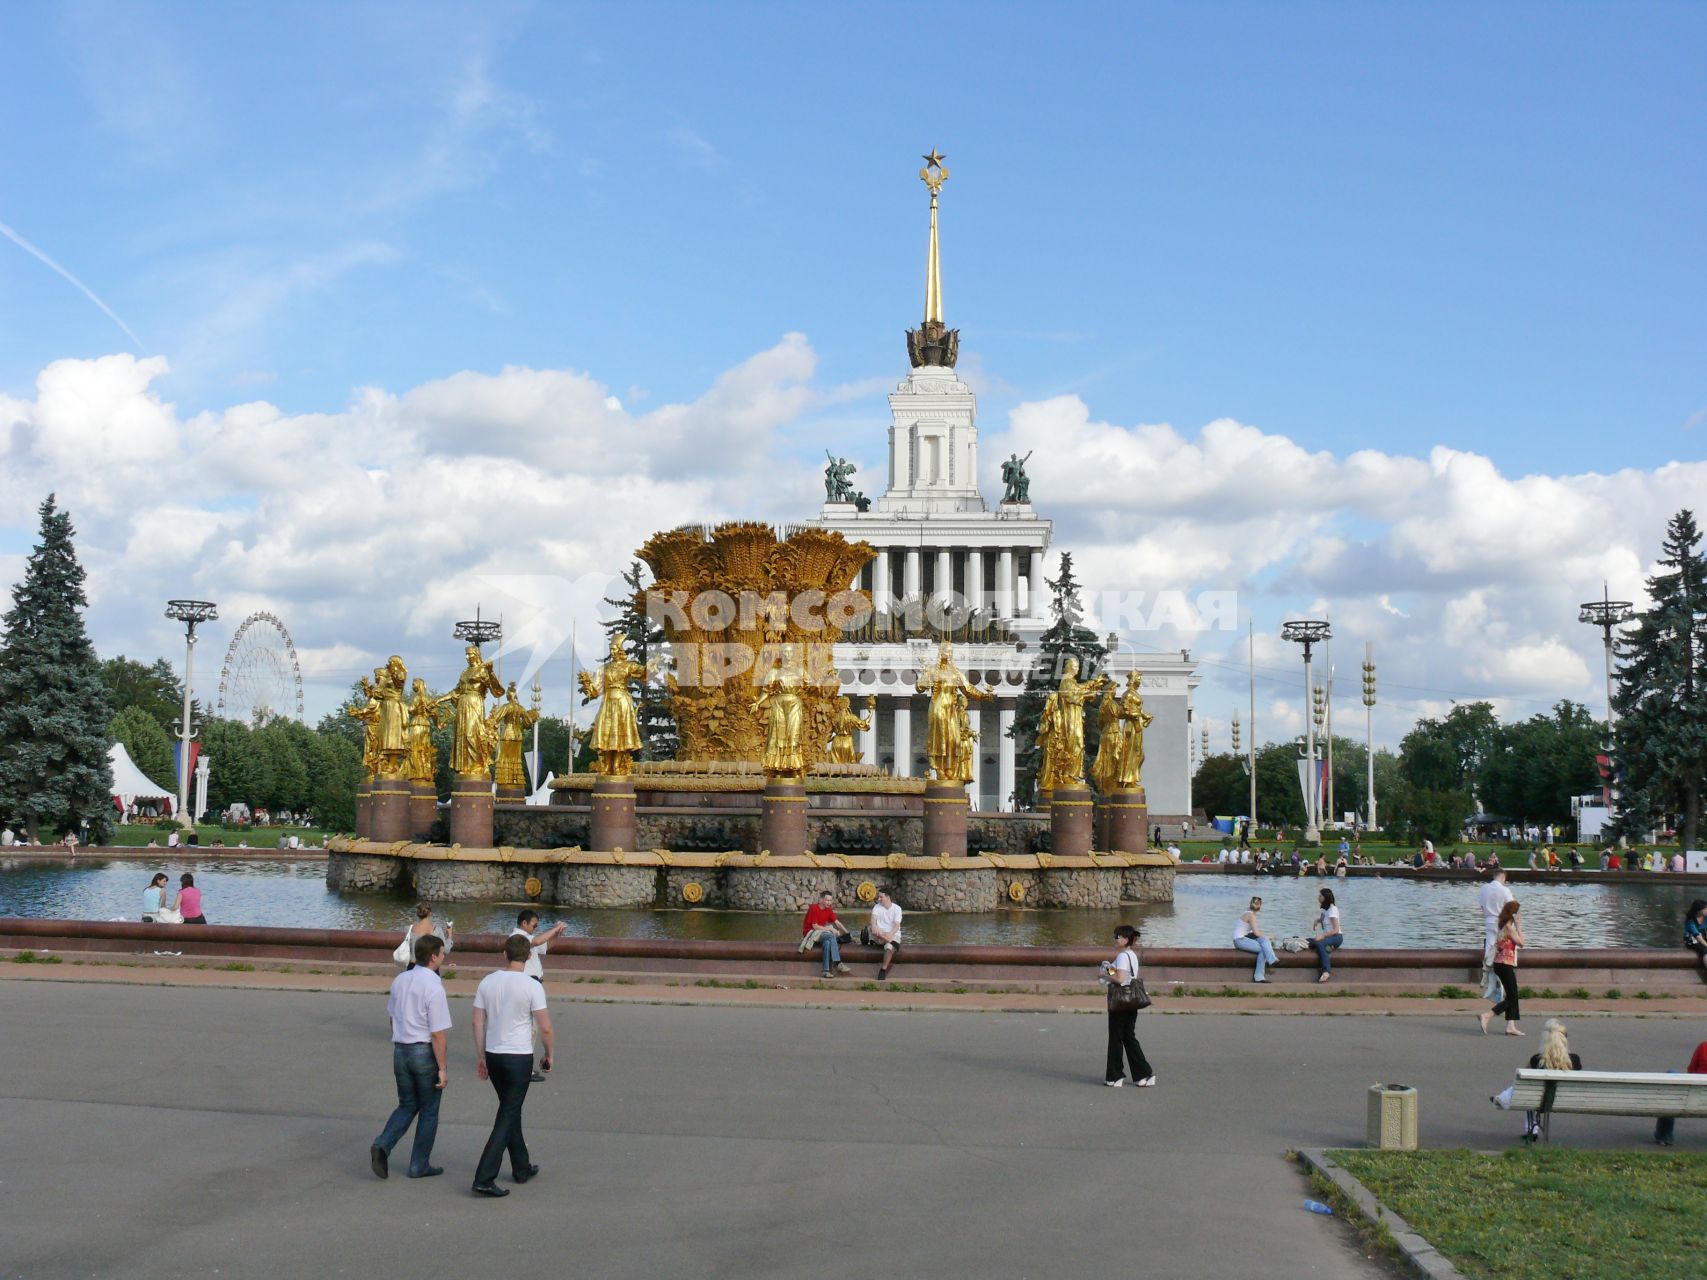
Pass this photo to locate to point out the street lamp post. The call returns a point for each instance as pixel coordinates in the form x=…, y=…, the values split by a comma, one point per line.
x=191, y=613
x=538, y=701
x=1607, y=614
x=1308, y=633
x=1369, y=724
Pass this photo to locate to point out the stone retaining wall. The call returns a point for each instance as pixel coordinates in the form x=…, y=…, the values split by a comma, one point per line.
x=974, y=886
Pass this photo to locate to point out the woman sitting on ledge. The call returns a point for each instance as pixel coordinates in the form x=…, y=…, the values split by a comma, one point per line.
x=1328, y=936
x=1695, y=930
x=1248, y=936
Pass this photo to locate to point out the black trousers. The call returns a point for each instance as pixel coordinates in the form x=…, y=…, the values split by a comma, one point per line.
x=1507, y=974
x=1122, y=1028
x=509, y=1074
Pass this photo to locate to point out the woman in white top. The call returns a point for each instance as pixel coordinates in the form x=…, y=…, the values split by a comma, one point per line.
x=1248, y=936
x=1327, y=935
x=1122, y=971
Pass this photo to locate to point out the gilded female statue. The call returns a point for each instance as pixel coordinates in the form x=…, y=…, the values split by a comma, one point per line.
x=1134, y=720
x=510, y=722
x=367, y=714
x=945, y=737
x=842, y=730
x=424, y=717
x=391, y=724
x=616, y=729
x=782, y=701
x=1064, y=738
x=1105, y=769
x=471, y=745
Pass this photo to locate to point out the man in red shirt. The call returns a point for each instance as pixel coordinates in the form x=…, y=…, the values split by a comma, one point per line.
x=821, y=916
x=1666, y=1125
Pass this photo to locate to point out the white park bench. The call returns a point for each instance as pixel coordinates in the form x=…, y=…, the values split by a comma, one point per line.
x=1608, y=1093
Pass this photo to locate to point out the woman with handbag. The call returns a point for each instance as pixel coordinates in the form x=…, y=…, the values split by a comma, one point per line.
x=405, y=953
x=1126, y=995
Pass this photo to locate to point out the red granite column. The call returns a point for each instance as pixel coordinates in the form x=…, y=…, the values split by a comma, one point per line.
x=613, y=825
x=1126, y=821
x=782, y=824
x=471, y=813
x=945, y=818
x=1070, y=821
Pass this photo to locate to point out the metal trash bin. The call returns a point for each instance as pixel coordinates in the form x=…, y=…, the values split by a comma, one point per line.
x=1392, y=1117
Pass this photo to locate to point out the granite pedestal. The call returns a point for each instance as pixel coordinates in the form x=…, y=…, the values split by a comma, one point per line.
x=612, y=828
x=388, y=811
x=945, y=819
x=1070, y=821
x=471, y=813
x=782, y=819
x=1125, y=821
x=423, y=810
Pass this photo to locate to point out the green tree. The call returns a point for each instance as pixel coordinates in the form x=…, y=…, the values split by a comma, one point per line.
x=658, y=736
x=240, y=769
x=154, y=690
x=335, y=774
x=278, y=742
x=1222, y=786
x=1280, y=798
x=1542, y=763
x=54, y=710
x=1660, y=744
x=1449, y=754
x=1067, y=637
x=147, y=745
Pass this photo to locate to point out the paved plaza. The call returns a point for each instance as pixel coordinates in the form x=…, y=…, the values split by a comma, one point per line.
x=186, y=1132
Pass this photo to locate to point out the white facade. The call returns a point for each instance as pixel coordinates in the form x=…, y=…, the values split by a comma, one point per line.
x=938, y=542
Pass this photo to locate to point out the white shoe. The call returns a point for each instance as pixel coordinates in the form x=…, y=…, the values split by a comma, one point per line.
x=1147, y=1082
x=1115, y=1084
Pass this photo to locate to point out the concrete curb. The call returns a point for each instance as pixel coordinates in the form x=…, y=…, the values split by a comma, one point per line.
x=1418, y=1252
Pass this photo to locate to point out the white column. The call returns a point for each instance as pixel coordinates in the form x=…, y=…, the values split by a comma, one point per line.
x=868, y=737
x=1036, y=605
x=1007, y=581
x=975, y=713
x=1005, y=759
x=903, y=737
x=910, y=573
x=944, y=574
x=974, y=579
x=880, y=580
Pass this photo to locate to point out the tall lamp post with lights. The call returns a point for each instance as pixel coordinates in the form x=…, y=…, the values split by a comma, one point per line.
x=1608, y=615
x=538, y=692
x=1369, y=725
x=1308, y=633
x=191, y=613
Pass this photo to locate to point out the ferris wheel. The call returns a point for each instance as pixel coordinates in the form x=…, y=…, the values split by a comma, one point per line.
x=261, y=679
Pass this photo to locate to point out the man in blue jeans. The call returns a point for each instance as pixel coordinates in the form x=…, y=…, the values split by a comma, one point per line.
x=420, y=1019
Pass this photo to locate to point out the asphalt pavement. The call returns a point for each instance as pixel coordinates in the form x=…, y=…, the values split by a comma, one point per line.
x=182, y=1132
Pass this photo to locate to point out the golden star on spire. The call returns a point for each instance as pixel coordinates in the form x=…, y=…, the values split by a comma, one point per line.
x=935, y=172
x=934, y=159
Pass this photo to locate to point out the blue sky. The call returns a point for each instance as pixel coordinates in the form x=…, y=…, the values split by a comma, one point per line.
x=1389, y=228
x=1353, y=224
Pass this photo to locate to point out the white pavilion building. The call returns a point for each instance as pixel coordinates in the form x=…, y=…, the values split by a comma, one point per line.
x=948, y=566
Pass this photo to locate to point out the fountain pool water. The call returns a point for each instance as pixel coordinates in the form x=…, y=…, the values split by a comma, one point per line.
x=1377, y=912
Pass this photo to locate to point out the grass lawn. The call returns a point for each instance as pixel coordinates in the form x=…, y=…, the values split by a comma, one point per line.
x=137, y=835
x=1548, y=1214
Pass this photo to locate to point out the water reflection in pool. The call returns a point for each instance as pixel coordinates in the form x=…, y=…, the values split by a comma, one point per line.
x=1377, y=913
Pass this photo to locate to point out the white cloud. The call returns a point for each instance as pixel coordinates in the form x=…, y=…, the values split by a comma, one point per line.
x=373, y=526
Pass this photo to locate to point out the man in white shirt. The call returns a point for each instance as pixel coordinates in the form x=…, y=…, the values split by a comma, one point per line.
x=508, y=1006
x=1495, y=894
x=527, y=926
x=8, y=837
x=420, y=1019
x=885, y=930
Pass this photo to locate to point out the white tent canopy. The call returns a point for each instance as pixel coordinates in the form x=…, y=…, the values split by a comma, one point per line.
x=130, y=784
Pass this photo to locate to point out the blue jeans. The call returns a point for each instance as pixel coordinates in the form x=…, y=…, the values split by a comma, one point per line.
x=832, y=945
x=418, y=1095
x=1262, y=949
x=509, y=1073
x=1324, y=946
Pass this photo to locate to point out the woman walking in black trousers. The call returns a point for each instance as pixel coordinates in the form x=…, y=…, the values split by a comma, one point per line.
x=1122, y=971
x=1509, y=939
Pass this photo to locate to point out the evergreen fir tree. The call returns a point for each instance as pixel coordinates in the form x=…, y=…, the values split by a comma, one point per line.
x=645, y=642
x=1067, y=637
x=1660, y=743
x=54, y=709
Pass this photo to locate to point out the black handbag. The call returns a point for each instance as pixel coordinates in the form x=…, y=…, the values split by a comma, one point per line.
x=1129, y=998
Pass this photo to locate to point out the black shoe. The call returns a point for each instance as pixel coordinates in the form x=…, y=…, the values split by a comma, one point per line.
x=379, y=1158
x=883, y=975
x=490, y=1189
x=431, y=1171
x=525, y=1175
x=536, y=1078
